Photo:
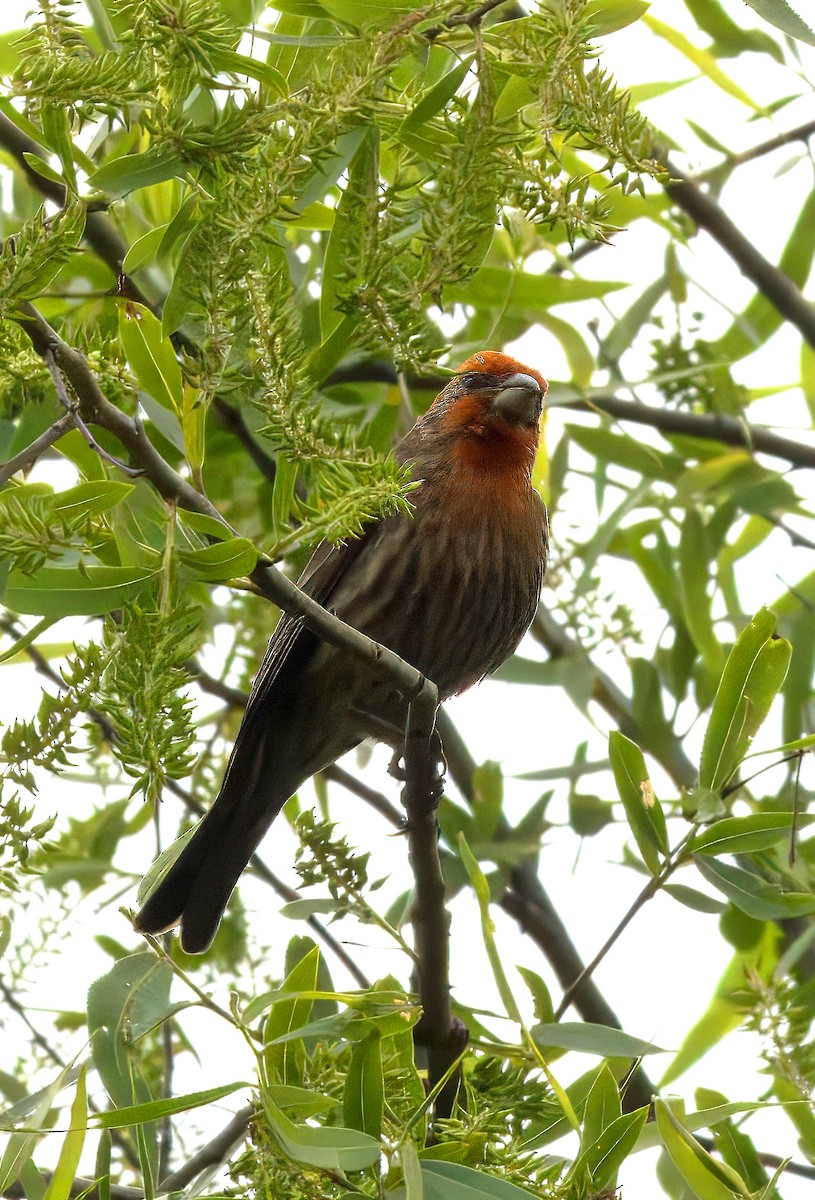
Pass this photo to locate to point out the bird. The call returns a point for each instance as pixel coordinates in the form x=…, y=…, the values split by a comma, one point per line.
x=451, y=588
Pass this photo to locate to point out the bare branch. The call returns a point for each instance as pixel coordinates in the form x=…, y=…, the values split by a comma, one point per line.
x=214, y=1152
x=527, y=901
x=669, y=753
x=424, y=782
x=733, y=431
x=778, y=288
x=27, y=457
x=801, y=133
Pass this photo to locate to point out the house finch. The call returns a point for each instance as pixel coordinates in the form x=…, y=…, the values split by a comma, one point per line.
x=451, y=589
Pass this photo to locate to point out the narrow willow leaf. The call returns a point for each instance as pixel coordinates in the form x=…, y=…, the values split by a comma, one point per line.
x=590, y=1038
x=133, y=171
x=453, y=1181
x=707, y=1178
x=643, y=811
x=780, y=14
x=284, y=1059
x=330, y=1148
x=702, y=59
x=231, y=559
x=745, y=835
x=69, y=592
x=364, y=1091
x=604, y=1157
x=151, y=356
x=752, y=894
x=155, y=1110
x=752, y=677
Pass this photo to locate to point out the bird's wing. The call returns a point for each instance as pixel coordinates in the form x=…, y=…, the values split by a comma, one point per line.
x=291, y=640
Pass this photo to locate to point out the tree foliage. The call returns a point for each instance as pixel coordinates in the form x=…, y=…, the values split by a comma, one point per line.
x=238, y=242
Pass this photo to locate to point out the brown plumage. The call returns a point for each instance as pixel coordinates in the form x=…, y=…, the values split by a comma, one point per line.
x=452, y=590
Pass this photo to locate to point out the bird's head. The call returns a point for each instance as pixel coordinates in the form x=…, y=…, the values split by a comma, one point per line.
x=488, y=415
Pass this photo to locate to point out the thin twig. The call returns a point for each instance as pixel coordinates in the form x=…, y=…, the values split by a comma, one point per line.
x=654, y=884
x=528, y=902
x=733, y=431
x=214, y=1152
x=801, y=133
x=27, y=457
x=377, y=801
x=718, y=427
x=66, y=401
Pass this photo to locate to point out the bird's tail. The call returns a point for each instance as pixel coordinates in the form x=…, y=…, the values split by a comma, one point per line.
x=195, y=890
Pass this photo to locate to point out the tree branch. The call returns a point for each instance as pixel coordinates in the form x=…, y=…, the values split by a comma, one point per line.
x=214, y=1152
x=778, y=288
x=97, y=409
x=801, y=133
x=528, y=902
x=668, y=752
x=733, y=431
x=100, y=233
x=27, y=457
x=424, y=771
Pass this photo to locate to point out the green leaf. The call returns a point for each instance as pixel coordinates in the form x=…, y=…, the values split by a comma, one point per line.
x=151, y=356
x=761, y=318
x=143, y=250
x=90, y=499
x=702, y=59
x=521, y=294
x=284, y=1060
x=694, y=573
x=233, y=63
x=364, y=1092
x=604, y=1157
x=453, y=1181
x=71, y=1151
x=435, y=98
x=752, y=894
x=745, y=835
x=628, y=452
x=779, y=14
x=376, y=14
x=544, y=1009
x=602, y=1107
x=156, y=1110
x=643, y=811
x=753, y=675
x=692, y=898
x=707, y=1178
x=162, y=864
x=225, y=560
x=70, y=591
x=589, y=1038
x=342, y=251
x=578, y=355
x=625, y=329
x=133, y=171
x=42, y=168
x=331, y=1148
x=22, y=643
x=607, y=16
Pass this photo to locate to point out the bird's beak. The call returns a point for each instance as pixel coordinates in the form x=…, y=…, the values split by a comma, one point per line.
x=518, y=400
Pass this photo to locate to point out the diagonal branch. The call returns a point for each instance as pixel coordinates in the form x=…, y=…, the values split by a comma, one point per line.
x=770, y=280
x=28, y=456
x=528, y=902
